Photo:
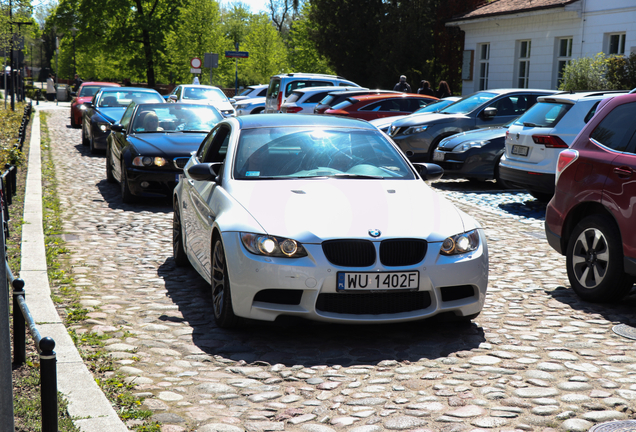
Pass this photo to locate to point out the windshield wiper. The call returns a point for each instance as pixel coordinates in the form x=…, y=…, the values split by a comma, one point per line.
x=361, y=176
x=530, y=124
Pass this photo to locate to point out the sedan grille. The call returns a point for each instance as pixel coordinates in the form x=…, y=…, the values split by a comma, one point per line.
x=402, y=252
x=373, y=303
x=180, y=162
x=349, y=253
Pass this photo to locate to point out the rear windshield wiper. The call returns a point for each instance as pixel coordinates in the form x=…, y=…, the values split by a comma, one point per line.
x=530, y=124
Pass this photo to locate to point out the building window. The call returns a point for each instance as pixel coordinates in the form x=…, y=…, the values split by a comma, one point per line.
x=616, y=44
x=523, y=64
x=564, y=56
x=484, y=57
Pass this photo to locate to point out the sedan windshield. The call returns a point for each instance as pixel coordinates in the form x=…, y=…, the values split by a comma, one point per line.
x=88, y=90
x=175, y=118
x=434, y=106
x=121, y=99
x=294, y=152
x=204, y=93
x=468, y=104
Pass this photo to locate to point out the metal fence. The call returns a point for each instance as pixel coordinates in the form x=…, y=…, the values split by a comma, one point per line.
x=21, y=317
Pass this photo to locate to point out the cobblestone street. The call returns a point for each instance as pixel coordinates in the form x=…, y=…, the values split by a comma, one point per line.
x=536, y=359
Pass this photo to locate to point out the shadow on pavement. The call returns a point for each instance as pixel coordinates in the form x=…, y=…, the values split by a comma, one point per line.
x=308, y=343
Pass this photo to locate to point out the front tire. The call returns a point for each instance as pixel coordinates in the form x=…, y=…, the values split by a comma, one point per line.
x=85, y=141
x=594, y=261
x=221, y=292
x=126, y=195
x=178, y=250
x=91, y=143
x=110, y=178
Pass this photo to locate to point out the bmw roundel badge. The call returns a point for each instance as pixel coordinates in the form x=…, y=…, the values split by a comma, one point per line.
x=374, y=233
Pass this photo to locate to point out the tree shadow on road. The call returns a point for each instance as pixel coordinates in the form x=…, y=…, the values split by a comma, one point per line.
x=308, y=343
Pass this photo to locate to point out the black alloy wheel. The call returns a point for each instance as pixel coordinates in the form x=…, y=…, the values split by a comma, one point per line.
x=594, y=260
x=178, y=249
x=221, y=293
x=126, y=196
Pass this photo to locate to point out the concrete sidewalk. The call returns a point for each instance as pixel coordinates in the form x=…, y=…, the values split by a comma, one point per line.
x=88, y=405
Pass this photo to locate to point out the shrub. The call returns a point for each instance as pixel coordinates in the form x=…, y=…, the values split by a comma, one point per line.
x=585, y=73
x=621, y=72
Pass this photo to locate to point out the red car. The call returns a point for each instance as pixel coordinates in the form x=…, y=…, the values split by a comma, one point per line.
x=591, y=218
x=85, y=93
x=371, y=107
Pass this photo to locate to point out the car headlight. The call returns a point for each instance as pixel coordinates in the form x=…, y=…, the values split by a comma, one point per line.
x=415, y=129
x=103, y=126
x=467, y=145
x=146, y=161
x=460, y=243
x=82, y=107
x=262, y=244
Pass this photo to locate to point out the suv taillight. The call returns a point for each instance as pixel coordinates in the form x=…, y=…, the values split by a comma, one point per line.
x=280, y=101
x=566, y=158
x=550, y=141
x=292, y=109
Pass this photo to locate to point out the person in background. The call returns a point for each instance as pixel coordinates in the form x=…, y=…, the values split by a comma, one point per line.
x=77, y=82
x=50, y=88
x=443, y=90
x=426, y=89
x=402, y=86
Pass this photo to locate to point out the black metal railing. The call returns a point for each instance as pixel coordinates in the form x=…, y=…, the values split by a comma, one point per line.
x=21, y=316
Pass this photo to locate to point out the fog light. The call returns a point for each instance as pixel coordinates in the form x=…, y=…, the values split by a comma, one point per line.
x=145, y=184
x=159, y=161
x=146, y=160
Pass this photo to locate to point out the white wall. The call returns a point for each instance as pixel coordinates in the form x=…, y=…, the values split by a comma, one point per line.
x=543, y=28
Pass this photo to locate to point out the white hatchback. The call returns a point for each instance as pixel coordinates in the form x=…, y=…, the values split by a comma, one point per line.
x=198, y=94
x=534, y=140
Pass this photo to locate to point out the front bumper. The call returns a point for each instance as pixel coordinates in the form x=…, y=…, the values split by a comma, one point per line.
x=529, y=180
x=419, y=144
x=478, y=163
x=149, y=182
x=265, y=288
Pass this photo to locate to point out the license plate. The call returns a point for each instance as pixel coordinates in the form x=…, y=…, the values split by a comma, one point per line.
x=378, y=281
x=438, y=156
x=519, y=150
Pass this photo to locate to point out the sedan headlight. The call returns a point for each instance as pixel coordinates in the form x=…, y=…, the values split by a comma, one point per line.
x=460, y=243
x=467, y=145
x=103, y=126
x=82, y=107
x=146, y=161
x=262, y=244
x=415, y=129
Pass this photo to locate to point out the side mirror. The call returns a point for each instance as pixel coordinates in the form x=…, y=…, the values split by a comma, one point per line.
x=88, y=104
x=73, y=94
x=172, y=98
x=233, y=101
x=206, y=171
x=118, y=128
x=489, y=112
x=429, y=171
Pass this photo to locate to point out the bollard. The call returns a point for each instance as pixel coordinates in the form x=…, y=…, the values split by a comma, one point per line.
x=48, y=382
x=19, y=327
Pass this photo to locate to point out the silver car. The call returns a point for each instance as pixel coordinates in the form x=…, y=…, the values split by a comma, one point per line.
x=323, y=218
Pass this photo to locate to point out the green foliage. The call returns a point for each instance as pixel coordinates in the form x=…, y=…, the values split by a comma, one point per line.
x=268, y=55
x=10, y=121
x=585, y=73
x=303, y=54
x=621, y=72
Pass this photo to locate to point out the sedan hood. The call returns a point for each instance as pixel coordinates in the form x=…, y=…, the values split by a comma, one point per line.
x=311, y=211
x=427, y=118
x=113, y=114
x=476, y=135
x=170, y=144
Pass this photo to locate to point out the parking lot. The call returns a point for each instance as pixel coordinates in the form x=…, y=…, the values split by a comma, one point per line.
x=536, y=359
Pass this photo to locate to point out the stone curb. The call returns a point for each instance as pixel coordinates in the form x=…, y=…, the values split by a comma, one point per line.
x=90, y=409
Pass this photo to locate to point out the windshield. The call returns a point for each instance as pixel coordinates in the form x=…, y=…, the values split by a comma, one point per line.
x=204, y=93
x=295, y=152
x=434, y=106
x=344, y=104
x=87, y=91
x=468, y=104
x=175, y=118
x=121, y=99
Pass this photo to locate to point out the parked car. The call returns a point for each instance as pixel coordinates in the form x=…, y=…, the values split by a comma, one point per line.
x=344, y=241
x=474, y=154
x=251, y=92
x=336, y=97
x=534, y=141
x=383, y=105
x=106, y=109
x=198, y=94
x=250, y=106
x=590, y=218
x=384, y=123
x=84, y=94
x=281, y=86
x=304, y=100
x=418, y=136
x=149, y=148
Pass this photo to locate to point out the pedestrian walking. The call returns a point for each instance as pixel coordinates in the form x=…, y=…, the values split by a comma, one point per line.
x=50, y=88
x=77, y=82
x=425, y=89
x=402, y=86
x=443, y=90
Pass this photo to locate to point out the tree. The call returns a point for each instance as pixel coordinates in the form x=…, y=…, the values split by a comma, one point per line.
x=283, y=13
x=303, y=55
x=585, y=73
x=267, y=52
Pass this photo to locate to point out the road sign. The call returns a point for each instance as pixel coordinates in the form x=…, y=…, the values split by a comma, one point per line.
x=196, y=63
x=237, y=54
x=195, y=70
x=211, y=60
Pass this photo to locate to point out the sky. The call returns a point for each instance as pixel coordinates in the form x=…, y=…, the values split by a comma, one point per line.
x=255, y=6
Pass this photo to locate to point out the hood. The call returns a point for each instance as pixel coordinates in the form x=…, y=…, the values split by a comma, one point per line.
x=427, y=118
x=385, y=121
x=167, y=144
x=311, y=211
x=477, y=135
x=112, y=114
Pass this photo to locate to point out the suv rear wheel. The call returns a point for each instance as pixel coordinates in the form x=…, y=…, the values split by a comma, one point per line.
x=594, y=261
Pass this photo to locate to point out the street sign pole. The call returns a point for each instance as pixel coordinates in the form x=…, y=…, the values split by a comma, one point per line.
x=236, y=45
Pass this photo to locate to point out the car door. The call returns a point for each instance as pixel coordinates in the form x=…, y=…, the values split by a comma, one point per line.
x=198, y=216
x=118, y=140
x=508, y=108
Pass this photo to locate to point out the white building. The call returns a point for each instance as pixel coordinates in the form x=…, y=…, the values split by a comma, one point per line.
x=526, y=43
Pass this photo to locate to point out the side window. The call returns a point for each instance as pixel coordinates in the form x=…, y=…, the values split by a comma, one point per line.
x=591, y=112
x=178, y=92
x=616, y=130
x=317, y=97
x=372, y=107
x=273, y=89
x=290, y=87
x=263, y=92
x=125, y=120
x=405, y=105
x=217, y=149
x=505, y=106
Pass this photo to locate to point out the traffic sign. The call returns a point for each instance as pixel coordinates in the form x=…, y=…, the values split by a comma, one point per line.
x=195, y=70
x=237, y=54
x=196, y=63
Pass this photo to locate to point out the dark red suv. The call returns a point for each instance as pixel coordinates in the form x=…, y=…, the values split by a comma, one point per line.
x=592, y=217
